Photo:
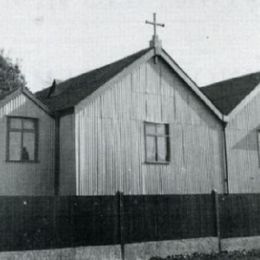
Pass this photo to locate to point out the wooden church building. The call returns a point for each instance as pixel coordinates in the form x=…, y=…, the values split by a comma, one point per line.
x=139, y=125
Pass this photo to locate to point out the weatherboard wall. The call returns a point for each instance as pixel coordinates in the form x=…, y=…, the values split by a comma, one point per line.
x=243, y=149
x=27, y=178
x=67, y=155
x=109, y=137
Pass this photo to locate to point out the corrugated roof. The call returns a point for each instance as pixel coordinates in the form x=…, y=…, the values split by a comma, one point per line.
x=226, y=95
x=68, y=93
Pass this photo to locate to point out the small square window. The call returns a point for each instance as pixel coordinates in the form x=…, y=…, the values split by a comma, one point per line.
x=157, y=143
x=22, y=139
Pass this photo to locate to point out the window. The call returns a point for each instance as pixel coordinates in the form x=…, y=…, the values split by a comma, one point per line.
x=22, y=139
x=157, y=143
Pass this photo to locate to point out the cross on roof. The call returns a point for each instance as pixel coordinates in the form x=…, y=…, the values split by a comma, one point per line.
x=155, y=24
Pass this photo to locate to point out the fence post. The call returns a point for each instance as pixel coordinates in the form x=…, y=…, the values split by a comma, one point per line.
x=120, y=200
x=217, y=217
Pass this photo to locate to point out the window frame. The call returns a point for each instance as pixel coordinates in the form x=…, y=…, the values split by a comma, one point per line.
x=156, y=136
x=22, y=131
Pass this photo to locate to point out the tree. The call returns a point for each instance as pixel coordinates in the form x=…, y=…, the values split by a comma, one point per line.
x=10, y=75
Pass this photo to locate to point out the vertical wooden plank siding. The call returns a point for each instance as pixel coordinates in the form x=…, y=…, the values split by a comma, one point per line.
x=67, y=155
x=21, y=178
x=110, y=138
x=243, y=150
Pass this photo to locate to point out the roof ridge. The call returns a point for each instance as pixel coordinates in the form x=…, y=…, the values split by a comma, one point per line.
x=71, y=91
x=230, y=79
x=228, y=94
x=95, y=69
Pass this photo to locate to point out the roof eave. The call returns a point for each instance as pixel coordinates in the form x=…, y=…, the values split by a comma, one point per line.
x=28, y=94
x=160, y=52
x=37, y=102
x=145, y=57
x=9, y=97
x=192, y=85
x=243, y=103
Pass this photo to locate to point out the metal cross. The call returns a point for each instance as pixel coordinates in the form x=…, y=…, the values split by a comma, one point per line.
x=154, y=24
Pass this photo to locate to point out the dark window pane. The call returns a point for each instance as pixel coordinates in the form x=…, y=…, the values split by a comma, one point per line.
x=150, y=129
x=167, y=129
x=28, y=124
x=15, y=139
x=150, y=148
x=162, y=148
x=16, y=123
x=29, y=146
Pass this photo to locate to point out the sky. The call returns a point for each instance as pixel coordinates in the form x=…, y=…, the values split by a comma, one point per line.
x=211, y=40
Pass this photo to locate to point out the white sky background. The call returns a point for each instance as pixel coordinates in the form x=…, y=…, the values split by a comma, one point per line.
x=211, y=40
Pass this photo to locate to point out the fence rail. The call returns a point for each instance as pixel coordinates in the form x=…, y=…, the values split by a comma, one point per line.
x=53, y=222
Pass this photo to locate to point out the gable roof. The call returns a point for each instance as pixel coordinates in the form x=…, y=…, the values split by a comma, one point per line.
x=70, y=92
x=6, y=97
x=227, y=95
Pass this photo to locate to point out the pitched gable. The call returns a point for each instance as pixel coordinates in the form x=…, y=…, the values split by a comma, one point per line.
x=69, y=93
x=6, y=97
x=226, y=95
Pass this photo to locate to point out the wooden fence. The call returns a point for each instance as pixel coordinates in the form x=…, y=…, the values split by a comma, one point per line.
x=239, y=215
x=55, y=222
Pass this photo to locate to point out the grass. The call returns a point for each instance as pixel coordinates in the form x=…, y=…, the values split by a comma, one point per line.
x=236, y=255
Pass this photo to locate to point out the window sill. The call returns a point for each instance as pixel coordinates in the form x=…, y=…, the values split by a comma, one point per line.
x=154, y=162
x=10, y=161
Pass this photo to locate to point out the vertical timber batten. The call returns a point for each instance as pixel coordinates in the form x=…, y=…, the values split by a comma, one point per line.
x=57, y=155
